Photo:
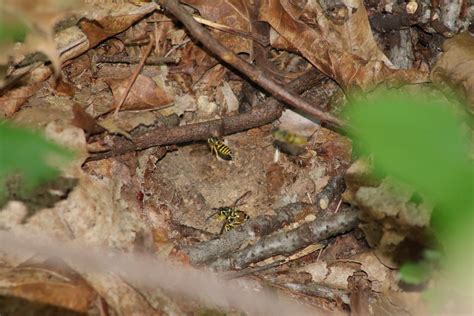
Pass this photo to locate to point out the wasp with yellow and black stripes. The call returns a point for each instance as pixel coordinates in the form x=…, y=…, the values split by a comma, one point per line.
x=230, y=215
x=222, y=150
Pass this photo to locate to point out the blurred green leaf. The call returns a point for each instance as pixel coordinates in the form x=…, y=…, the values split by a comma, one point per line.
x=29, y=154
x=419, y=141
x=415, y=273
x=11, y=29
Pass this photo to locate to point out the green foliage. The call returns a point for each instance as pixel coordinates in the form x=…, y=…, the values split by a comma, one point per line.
x=31, y=155
x=414, y=273
x=419, y=140
x=11, y=30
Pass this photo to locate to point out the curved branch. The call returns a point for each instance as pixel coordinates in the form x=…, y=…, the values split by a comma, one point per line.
x=202, y=35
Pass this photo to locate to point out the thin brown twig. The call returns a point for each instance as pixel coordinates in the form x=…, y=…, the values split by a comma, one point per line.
x=135, y=75
x=135, y=60
x=202, y=35
x=318, y=290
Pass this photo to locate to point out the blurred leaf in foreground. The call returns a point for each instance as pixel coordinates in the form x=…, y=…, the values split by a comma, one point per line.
x=11, y=30
x=413, y=273
x=419, y=140
x=29, y=154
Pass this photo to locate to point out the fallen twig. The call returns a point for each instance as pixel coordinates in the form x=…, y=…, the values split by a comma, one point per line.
x=287, y=242
x=259, y=116
x=188, y=231
x=318, y=290
x=134, y=60
x=134, y=76
x=201, y=34
x=257, y=269
x=259, y=226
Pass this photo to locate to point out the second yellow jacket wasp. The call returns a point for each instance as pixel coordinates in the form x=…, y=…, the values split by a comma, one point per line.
x=222, y=150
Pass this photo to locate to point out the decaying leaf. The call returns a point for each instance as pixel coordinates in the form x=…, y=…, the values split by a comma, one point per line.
x=84, y=120
x=336, y=274
x=112, y=127
x=128, y=121
x=393, y=217
x=455, y=68
x=182, y=103
x=63, y=88
x=104, y=20
x=233, y=13
x=343, y=48
x=227, y=97
x=196, y=62
x=13, y=99
x=144, y=94
x=42, y=286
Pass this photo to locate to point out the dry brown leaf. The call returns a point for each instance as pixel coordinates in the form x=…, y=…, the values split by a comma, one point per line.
x=105, y=20
x=232, y=13
x=455, y=68
x=46, y=287
x=196, y=62
x=392, y=218
x=63, y=88
x=85, y=121
x=11, y=101
x=227, y=98
x=112, y=127
x=98, y=211
x=342, y=47
x=144, y=94
x=333, y=275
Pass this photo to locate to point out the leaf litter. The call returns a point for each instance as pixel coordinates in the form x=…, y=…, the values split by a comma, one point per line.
x=148, y=202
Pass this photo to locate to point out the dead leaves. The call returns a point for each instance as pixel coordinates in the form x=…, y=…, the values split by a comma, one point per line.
x=395, y=216
x=455, y=68
x=105, y=20
x=341, y=46
x=144, y=94
x=46, y=287
x=232, y=13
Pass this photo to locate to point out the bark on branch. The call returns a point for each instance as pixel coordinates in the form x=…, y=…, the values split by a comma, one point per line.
x=260, y=226
x=286, y=243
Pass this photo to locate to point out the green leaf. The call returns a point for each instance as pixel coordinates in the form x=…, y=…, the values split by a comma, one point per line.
x=414, y=273
x=418, y=140
x=29, y=154
x=11, y=29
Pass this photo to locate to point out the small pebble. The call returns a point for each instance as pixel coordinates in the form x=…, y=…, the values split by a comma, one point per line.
x=412, y=6
x=323, y=204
